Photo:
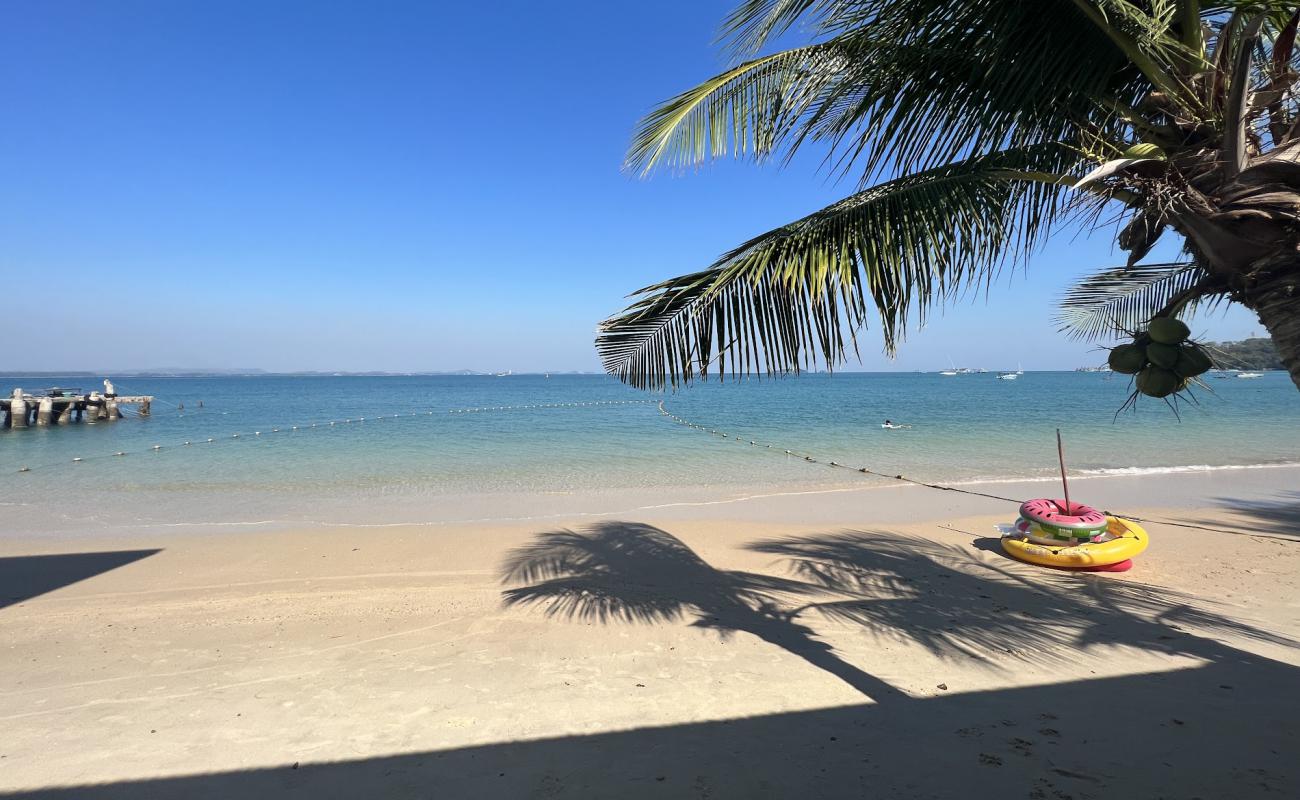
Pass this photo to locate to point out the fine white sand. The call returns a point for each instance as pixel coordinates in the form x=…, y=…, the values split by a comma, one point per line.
x=848, y=644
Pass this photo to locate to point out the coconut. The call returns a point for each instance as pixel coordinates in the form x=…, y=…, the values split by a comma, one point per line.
x=1127, y=358
x=1145, y=150
x=1168, y=330
x=1162, y=355
x=1158, y=382
x=1192, y=361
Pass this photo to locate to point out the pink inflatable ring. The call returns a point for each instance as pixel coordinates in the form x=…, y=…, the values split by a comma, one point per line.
x=1054, y=517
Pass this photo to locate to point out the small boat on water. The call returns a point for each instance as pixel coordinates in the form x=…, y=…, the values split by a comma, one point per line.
x=1250, y=374
x=1008, y=376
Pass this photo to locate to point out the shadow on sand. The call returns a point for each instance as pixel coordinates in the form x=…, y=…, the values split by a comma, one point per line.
x=1181, y=733
x=1278, y=517
x=25, y=577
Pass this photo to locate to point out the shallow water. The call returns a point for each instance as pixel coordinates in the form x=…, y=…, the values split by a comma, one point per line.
x=559, y=442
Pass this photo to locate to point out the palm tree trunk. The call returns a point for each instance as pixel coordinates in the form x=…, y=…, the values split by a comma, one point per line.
x=1278, y=307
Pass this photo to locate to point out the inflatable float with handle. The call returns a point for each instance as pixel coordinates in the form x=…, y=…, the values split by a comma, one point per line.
x=1053, y=533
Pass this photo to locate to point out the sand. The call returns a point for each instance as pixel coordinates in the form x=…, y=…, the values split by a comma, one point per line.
x=829, y=645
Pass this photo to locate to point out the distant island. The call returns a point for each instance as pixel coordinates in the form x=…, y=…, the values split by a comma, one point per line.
x=1255, y=353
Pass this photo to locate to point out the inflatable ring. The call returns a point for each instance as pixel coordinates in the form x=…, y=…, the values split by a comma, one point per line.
x=1054, y=521
x=1056, y=537
x=1129, y=541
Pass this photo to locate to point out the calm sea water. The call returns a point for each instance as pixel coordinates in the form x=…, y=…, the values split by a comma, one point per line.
x=602, y=439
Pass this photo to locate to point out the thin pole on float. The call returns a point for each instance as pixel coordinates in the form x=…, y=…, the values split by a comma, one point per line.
x=1060, y=454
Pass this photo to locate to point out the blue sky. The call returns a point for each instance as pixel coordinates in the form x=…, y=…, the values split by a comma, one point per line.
x=392, y=186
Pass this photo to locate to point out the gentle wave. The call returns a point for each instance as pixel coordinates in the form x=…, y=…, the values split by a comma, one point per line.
x=1103, y=472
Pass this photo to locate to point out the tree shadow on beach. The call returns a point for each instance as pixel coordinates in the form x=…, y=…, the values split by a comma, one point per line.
x=1276, y=517
x=954, y=603
x=894, y=587
x=632, y=572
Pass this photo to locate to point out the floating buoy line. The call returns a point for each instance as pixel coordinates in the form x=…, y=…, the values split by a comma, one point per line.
x=536, y=406
x=305, y=426
x=812, y=459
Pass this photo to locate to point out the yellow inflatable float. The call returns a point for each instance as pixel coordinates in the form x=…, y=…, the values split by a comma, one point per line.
x=1124, y=540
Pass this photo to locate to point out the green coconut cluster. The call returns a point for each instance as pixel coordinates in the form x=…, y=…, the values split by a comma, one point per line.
x=1161, y=357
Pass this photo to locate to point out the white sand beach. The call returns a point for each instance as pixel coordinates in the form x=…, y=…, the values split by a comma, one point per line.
x=779, y=647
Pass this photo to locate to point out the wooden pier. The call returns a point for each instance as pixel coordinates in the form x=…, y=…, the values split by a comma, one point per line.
x=60, y=407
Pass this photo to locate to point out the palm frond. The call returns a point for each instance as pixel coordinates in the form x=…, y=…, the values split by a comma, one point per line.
x=925, y=84
x=1123, y=299
x=796, y=295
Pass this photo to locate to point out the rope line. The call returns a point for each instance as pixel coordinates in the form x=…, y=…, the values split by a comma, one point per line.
x=322, y=424
x=548, y=405
x=809, y=458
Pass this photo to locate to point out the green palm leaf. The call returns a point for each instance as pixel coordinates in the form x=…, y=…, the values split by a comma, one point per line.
x=796, y=296
x=1124, y=299
x=906, y=91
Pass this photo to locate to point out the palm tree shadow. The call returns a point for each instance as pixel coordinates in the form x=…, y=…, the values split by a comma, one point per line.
x=632, y=572
x=1279, y=517
x=895, y=587
x=948, y=600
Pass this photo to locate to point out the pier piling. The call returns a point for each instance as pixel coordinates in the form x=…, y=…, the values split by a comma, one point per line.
x=18, y=410
x=44, y=410
x=60, y=407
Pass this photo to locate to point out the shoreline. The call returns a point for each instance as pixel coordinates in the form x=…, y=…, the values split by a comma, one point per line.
x=893, y=501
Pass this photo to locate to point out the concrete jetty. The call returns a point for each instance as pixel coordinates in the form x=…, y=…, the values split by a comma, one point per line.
x=62, y=406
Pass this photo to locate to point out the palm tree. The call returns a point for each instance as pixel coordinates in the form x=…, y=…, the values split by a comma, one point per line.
x=977, y=128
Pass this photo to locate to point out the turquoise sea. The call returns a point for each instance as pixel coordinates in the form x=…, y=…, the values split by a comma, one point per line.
x=437, y=449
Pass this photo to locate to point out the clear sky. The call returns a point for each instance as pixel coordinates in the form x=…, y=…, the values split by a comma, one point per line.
x=390, y=186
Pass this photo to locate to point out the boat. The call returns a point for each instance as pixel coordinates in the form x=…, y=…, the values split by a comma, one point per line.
x=1008, y=376
x=948, y=372
x=1250, y=374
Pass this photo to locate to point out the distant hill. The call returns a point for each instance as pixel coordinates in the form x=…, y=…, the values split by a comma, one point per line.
x=1256, y=353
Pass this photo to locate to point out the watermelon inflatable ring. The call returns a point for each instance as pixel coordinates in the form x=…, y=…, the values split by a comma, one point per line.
x=1057, y=522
